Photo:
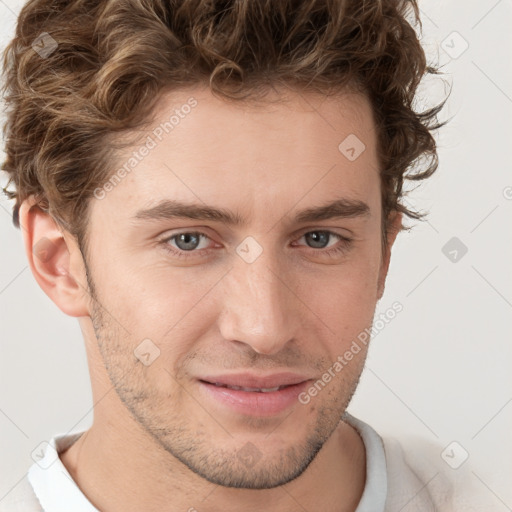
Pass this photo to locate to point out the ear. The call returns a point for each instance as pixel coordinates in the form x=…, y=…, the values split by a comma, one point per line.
x=55, y=259
x=394, y=229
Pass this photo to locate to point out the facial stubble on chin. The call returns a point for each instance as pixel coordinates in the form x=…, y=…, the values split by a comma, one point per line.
x=190, y=444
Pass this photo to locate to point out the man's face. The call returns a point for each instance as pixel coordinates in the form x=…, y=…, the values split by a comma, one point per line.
x=270, y=301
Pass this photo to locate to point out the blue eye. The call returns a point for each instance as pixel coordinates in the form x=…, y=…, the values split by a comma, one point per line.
x=321, y=236
x=188, y=243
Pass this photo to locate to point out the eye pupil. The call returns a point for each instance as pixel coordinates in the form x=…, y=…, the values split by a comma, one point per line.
x=186, y=237
x=323, y=236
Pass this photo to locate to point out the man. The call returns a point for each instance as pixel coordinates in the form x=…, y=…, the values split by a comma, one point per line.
x=213, y=190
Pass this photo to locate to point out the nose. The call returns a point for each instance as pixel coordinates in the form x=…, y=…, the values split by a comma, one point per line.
x=259, y=306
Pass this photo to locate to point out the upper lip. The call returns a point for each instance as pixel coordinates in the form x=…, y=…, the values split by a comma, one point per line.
x=251, y=380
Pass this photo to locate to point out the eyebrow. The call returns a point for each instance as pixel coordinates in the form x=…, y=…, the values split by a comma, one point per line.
x=173, y=209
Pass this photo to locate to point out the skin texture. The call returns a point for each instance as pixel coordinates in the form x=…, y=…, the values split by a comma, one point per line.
x=157, y=441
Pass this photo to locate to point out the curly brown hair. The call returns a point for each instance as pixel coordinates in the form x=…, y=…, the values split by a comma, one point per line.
x=114, y=58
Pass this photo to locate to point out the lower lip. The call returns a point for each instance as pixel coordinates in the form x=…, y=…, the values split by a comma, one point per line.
x=255, y=403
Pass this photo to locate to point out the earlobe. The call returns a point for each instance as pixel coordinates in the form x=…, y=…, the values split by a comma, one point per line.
x=54, y=258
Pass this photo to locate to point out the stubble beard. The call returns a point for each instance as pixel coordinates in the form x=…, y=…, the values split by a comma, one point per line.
x=193, y=445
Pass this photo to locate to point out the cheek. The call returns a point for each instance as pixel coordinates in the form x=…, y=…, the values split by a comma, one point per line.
x=344, y=301
x=159, y=302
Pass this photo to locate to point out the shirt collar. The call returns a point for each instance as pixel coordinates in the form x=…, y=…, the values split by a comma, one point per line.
x=53, y=485
x=375, y=490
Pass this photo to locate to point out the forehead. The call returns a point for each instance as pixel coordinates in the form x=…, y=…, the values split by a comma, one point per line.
x=296, y=147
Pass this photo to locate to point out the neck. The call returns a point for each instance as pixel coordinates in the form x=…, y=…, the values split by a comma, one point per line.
x=126, y=470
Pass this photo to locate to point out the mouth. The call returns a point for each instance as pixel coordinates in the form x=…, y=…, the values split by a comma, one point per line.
x=254, y=395
x=251, y=390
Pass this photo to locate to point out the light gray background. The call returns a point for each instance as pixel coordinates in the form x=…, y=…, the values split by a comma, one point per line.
x=440, y=370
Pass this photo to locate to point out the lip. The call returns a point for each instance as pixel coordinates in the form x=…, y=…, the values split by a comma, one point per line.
x=254, y=403
x=251, y=380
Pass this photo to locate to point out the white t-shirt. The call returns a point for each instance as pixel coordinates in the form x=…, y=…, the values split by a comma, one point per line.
x=414, y=479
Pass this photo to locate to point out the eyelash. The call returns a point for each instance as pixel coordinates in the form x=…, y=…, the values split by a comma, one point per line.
x=345, y=245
